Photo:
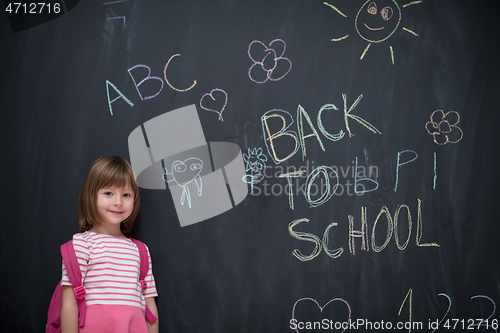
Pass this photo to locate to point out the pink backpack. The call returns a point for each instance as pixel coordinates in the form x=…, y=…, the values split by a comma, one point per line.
x=75, y=276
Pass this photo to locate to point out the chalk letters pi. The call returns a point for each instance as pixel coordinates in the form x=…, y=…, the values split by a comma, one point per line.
x=204, y=178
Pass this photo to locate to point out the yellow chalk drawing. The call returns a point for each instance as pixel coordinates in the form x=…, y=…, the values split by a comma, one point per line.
x=289, y=177
x=409, y=297
x=363, y=233
x=339, y=39
x=331, y=253
x=390, y=229
x=306, y=237
x=418, y=237
x=396, y=234
x=319, y=244
x=328, y=135
x=327, y=192
x=365, y=50
x=301, y=114
x=410, y=31
x=412, y=3
x=347, y=114
x=282, y=132
x=376, y=21
x=335, y=8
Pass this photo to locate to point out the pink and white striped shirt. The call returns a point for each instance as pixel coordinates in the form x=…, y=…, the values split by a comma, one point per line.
x=110, y=269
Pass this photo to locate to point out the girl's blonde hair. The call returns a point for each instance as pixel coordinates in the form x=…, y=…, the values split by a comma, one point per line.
x=104, y=172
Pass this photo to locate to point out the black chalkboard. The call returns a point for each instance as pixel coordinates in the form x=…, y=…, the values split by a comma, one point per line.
x=381, y=115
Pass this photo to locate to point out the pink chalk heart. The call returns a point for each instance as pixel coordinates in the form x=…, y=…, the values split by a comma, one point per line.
x=211, y=100
x=321, y=308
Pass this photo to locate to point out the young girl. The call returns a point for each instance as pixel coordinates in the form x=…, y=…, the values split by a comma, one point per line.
x=109, y=261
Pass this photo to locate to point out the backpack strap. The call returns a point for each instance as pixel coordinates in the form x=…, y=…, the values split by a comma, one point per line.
x=143, y=253
x=75, y=276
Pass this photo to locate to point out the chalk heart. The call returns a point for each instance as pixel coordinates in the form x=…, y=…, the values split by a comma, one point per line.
x=183, y=172
x=321, y=308
x=212, y=101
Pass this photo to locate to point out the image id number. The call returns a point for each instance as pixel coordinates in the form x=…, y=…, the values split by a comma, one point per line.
x=33, y=8
x=469, y=324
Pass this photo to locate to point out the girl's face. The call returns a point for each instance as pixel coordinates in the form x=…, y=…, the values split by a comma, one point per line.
x=115, y=204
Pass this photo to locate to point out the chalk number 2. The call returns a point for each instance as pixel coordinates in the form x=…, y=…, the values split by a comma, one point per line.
x=470, y=323
x=494, y=323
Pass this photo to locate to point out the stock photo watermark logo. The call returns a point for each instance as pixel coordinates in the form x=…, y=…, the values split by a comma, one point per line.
x=204, y=178
x=316, y=183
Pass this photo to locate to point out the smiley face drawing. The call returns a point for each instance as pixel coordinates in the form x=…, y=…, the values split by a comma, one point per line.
x=376, y=21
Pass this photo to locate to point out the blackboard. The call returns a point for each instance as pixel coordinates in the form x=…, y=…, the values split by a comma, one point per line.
x=376, y=112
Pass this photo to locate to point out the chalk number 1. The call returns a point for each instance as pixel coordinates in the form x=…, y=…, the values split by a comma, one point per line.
x=409, y=297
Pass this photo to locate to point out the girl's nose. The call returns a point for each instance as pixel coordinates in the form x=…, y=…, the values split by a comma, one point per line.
x=117, y=201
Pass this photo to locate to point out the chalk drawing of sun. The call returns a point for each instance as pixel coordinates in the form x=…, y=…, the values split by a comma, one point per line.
x=376, y=21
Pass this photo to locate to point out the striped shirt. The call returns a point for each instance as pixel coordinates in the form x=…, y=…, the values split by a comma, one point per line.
x=110, y=269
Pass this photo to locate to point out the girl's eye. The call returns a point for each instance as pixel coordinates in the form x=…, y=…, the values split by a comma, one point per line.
x=127, y=195
x=107, y=193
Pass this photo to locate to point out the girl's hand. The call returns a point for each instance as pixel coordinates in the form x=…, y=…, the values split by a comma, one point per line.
x=151, y=304
x=69, y=311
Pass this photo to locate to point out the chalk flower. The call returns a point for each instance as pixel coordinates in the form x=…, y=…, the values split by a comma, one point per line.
x=268, y=61
x=255, y=160
x=443, y=127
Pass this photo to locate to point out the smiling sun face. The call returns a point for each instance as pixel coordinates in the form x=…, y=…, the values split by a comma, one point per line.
x=376, y=21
